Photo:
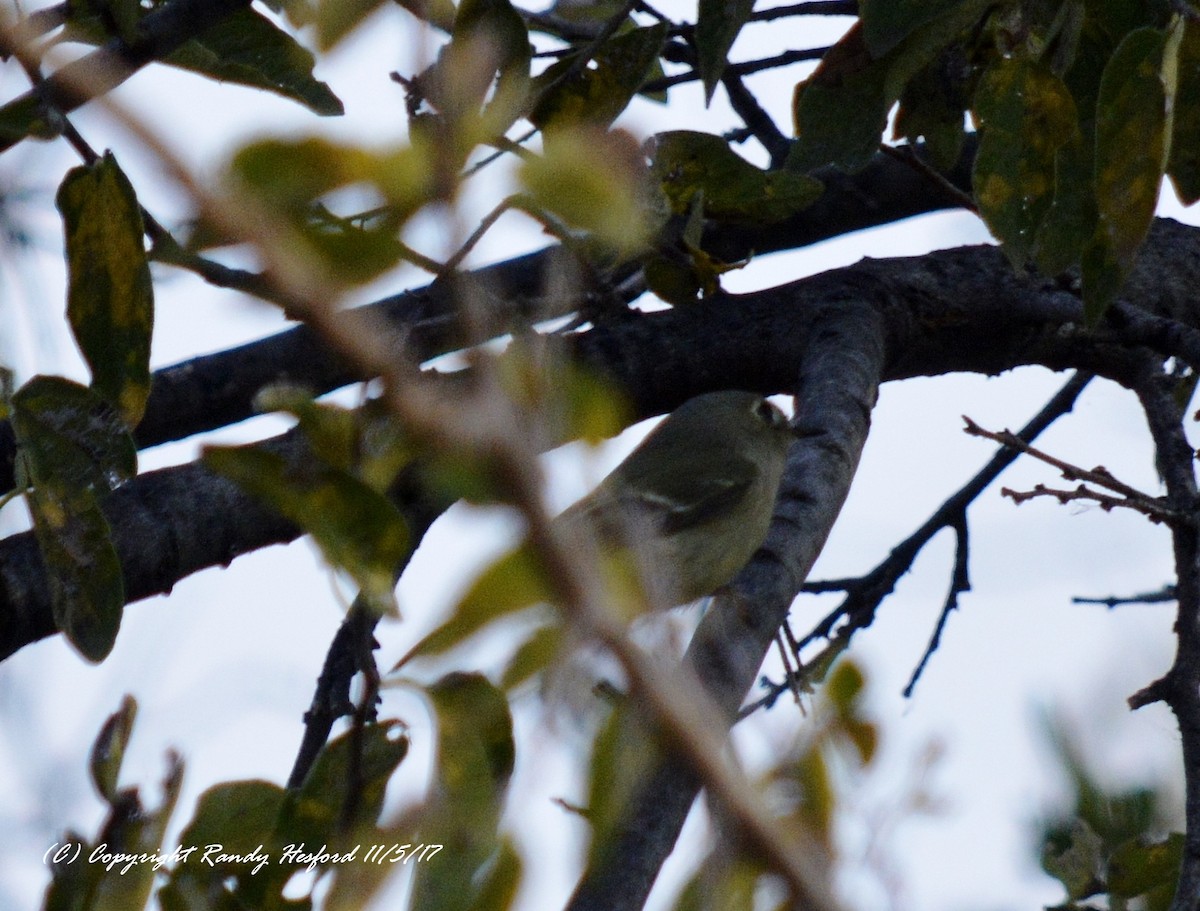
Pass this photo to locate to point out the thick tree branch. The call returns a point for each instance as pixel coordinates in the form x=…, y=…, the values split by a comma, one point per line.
x=218, y=389
x=838, y=374
x=1180, y=687
x=956, y=310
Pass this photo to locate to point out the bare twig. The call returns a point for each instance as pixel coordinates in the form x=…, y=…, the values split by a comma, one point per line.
x=960, y=582
x=1156, y=509
x=908, y=155
x=865, y=594
x=787, y=58
x=1164, y=594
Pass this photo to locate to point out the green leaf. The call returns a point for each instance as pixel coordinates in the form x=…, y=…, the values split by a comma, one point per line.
x=238, y=815
x=367, y=761
x=1139, y=867
x=1185, y=144
x=1075, y=857
x=533, y=656
x=717, y=26
x=473, y=764
x=71, y=437
x=932, y=106
x=87, y=589
x=886, y=23
x=499, y=888
x=1025, y=116
x=514, y=582
x=248, y=49
x=337, y=18
x=108, y=750
x=479, y=84
x=110, y=298
x=592, y=180
x=844, y=687
x=687, y=164
x=567, y=94
x=357, y=528
x=75, y=449
x=1131, y=148
x=289, y=177
x=841, y=110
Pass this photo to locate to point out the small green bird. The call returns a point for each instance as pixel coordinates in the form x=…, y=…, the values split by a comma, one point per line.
x=693, y=502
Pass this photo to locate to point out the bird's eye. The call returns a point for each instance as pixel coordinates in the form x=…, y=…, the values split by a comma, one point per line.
x=770, y=414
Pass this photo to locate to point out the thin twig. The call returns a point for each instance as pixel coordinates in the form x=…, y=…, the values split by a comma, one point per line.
x=865, y=594
x=787, y=58
x=1163, y=595
x=959, y=583
x=908, y=155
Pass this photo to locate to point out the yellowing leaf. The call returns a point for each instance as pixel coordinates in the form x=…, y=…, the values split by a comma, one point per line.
x=687, y=164
x=357, y=528
x=593, y=180
x=110, y=299
x=1025, y=115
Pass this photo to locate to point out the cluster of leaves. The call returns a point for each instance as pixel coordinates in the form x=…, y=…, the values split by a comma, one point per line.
x=1081, y=108
x=1112, y=845
x=248, y=840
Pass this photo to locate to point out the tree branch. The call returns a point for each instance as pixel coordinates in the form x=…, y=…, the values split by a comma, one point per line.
x=839, y=370
x=949, y=311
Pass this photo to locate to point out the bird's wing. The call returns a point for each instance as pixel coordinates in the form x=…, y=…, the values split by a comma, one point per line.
x=686, y=499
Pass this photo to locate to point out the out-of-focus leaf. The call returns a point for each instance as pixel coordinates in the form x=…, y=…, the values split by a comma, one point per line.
x=932, y=106
x=131, y=830
x=1131, y=149
x=593, y=180
x=1139, y=867
x=533, y=656
x=844, y=687
x=315, y=814
x=357, y=528
x=108, y=750
x=514, y=582
x=1075, y=857
x=597, y=95
x=717, y=26
x=479, y=84
x=817, y=797
x=1025, y=116
x=473, y=764
x=688, y=163
x=625, y=749
x=499, y=887
x=289, y=177
x=110, y=298
x=337, y=18
x=238, y=815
